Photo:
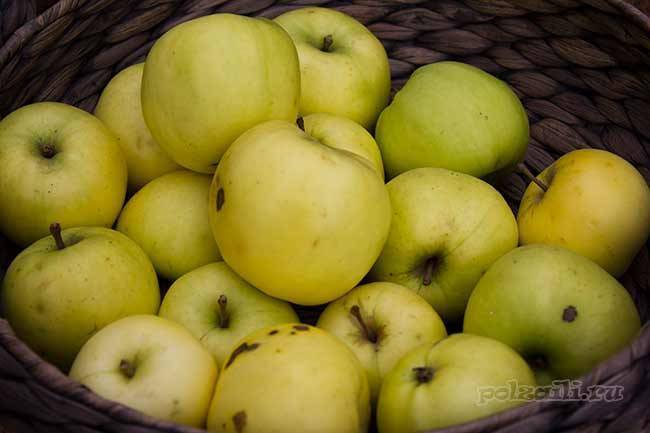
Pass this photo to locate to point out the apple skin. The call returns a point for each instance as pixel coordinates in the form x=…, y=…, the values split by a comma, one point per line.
x=168, y=218
x=193, y=301
x=559, y=310
x=55, y=300
x=342, y=133
x=597, y=204
x=120, y=109
x=208, y=80
x=351, y=79
x=83, y=184
x=173, y=376
x=484, y=131
x=301, y=221
x=401, y=320
x=458, y=221
x=291, y=378
x=460, y=365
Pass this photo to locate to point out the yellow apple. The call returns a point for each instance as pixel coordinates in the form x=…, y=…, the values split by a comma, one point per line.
x=596, y=204
x=208, y=80
x=380, y=323
x=61, y=164
x=291, y=378
x=120, y=109
x=344, y=67
x=151, y=364
x=61, y=290
x=296, y=218
x=168, y=218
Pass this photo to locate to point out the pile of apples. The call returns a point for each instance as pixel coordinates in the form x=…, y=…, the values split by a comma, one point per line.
x=253, y=183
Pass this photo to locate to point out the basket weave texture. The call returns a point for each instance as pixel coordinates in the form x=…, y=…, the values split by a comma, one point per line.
x=582, y=69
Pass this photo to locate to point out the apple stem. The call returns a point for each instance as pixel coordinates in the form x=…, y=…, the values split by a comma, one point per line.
x=127, y=368
x=429, y=266
x=531, y=177
x=223, y=312
x=55, y=230
x=368, y=332
x=301, y=123
x=327, y=43
x=47, y=150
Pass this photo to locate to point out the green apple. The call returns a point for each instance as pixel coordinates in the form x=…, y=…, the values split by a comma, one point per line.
x=61, y=164
x=168, y=218
x=291, y=378
x=559, y=310
x=592, y=202
x=344, y=134
x=454, y=116
x=219, y=308
x=344, y=68
x=120, y=109
x=447, y=229
x=380, y=323
x=63, y=288
x=150, y=364
x=456, y=380
x=296, y=218
x=208, y=80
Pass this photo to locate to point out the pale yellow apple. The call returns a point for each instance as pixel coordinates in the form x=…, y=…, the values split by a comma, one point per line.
x=208, y=80
x=151, y=364
x=597, y=204
x=58, y=163
x=56, y=299
x=344, y=67
x=291, y=379
x=120, y=109
x=342, y=133
x=168, y=218
x=219, y=308
x=300, y=220
x=380, y=323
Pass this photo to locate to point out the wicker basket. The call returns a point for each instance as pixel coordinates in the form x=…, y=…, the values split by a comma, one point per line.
x=581, y=68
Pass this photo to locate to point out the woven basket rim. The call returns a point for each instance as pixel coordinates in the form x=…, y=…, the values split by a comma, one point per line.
x=54, y=380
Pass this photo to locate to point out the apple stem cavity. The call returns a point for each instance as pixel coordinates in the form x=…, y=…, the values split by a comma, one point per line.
x=327, y=43
x=429, y=267
x=367, y=331
x=301, y=123
x=47, y=150
x=423, y=374
x=531, y=177
x=127, y=368
x=224, y=318
x=55, y=230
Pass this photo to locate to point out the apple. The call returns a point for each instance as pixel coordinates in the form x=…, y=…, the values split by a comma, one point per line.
x=344, y=68
x=454, y=116
x=63, y=288
x=380, y=323
x=344, y=134
x=559, y=310
x=168, y=218
x=120, y=109
x=219, y=308
x=592, y=202
x=291, y=378
x=208, y=80
x=296, y=218
x=151, y=364
x=447, y=229
x=61, y=164
x=456, y=380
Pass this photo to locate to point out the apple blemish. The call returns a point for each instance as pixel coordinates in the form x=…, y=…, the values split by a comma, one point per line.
x=242, y=348
x=301, y=327
x=239, y=421
x=569, y=314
